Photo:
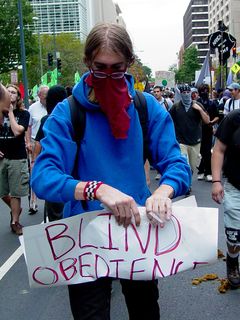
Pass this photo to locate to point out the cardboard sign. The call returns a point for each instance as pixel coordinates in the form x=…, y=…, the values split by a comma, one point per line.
x=92, y=245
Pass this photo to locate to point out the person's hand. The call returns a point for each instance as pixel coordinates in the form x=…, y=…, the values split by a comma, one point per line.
x=120, y=204
x=29, y=147
x=1, y=154
x=217, y=192
x=159, y=208
x=10, y=108
x=32, y=164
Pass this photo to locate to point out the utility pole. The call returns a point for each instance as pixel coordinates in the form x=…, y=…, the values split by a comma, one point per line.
x=55, y=46
x=37, y=29
x=23, y=55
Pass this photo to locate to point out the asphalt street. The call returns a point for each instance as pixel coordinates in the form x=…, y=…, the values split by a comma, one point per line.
x=179, y=299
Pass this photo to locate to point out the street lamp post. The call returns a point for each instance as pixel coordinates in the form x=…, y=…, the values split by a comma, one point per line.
x=23, y=55
x=39, y=45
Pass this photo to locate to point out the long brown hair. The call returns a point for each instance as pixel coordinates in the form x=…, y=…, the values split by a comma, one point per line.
x=108, y=35
x=19, y=105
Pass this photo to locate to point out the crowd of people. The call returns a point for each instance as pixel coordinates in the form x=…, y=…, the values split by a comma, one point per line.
x=188, y=128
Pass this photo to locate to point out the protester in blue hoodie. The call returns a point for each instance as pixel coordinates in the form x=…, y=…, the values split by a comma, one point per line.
x=110, y=163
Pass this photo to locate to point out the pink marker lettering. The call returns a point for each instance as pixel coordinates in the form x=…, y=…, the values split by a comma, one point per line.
x=58, y=236
x=117, y=262
x=81, y=246
x=110, y=244
x=143, y=248
x=81, y=265
x=132, y=268
x=41, y=270
x=156, y=267
x=97, y=266
x=71, y=267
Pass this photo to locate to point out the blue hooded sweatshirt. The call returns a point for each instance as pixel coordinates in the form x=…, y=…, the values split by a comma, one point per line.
x=101, y=157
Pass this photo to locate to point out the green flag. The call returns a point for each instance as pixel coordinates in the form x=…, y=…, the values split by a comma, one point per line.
x=53, y=75
x=77, y=77
x=44, y=79
x=35, y=91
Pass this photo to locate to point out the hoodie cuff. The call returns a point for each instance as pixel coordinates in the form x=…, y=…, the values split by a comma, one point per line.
x=69, y=190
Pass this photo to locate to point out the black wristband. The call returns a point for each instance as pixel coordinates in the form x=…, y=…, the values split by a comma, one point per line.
x=216, y=181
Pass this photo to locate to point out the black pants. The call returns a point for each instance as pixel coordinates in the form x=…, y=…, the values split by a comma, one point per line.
x=53, y=210
x=91, y=301
x=205, y=150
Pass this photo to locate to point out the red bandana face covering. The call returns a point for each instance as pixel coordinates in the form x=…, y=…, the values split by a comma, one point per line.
x=113, y=98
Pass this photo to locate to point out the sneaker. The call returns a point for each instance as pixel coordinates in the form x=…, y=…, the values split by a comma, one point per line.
x=158, y=176
x=209, y=178
x=33, y=210
x=233, y=274
x=188, y=192
x=17, y=228
x=200, y=176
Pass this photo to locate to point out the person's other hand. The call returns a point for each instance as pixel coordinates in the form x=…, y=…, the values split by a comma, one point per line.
x=29, y=147
x=159, y=208
x=120, y=204
x=1, y=154
x=217, y=192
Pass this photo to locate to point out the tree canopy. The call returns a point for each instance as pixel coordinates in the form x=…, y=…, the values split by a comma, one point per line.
x=70, y=51
x=186, y=73
x=139, y=71
x=10, y=57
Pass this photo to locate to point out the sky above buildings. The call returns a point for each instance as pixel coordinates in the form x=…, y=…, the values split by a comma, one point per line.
x=156, y=28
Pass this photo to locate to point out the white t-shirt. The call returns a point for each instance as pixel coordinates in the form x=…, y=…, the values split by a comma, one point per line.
x=234, y=104
x=37, y=111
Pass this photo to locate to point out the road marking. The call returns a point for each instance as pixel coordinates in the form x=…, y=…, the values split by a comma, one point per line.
x=10, y=262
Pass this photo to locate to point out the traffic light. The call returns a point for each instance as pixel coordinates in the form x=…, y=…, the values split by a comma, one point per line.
x=50, y=59
x=234, y=52
x=59, y=64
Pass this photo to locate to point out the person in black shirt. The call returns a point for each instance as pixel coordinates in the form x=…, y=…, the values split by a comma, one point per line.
x=53, y=210
x=188, y=116
x=204, y=169
x=226, y=156
x=14, y=182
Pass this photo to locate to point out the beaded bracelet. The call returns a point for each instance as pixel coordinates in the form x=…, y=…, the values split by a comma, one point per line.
x=90, y=189
x=216, y=181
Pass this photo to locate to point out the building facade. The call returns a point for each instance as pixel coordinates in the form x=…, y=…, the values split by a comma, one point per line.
x=73, y=16
x=229, y=12
x=195, y=27
x=61, y=16
x=104, y=10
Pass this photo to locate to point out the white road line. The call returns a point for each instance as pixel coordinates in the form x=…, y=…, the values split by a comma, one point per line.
x=10, y=262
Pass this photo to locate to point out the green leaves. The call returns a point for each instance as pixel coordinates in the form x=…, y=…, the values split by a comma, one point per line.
x=10, y=56
x=186, y=73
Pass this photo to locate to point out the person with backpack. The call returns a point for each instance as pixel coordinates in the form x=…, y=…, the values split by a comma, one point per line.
x=234, y=102
x=226, y=158
x=106, y=167
x=57, y=93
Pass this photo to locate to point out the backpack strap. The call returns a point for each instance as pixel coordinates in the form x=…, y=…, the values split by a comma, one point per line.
x=140, y=105
x=230, y=104
x=78, y=118
x=165, y=103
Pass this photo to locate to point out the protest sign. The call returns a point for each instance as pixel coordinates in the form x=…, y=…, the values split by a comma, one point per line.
x=92, y=245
